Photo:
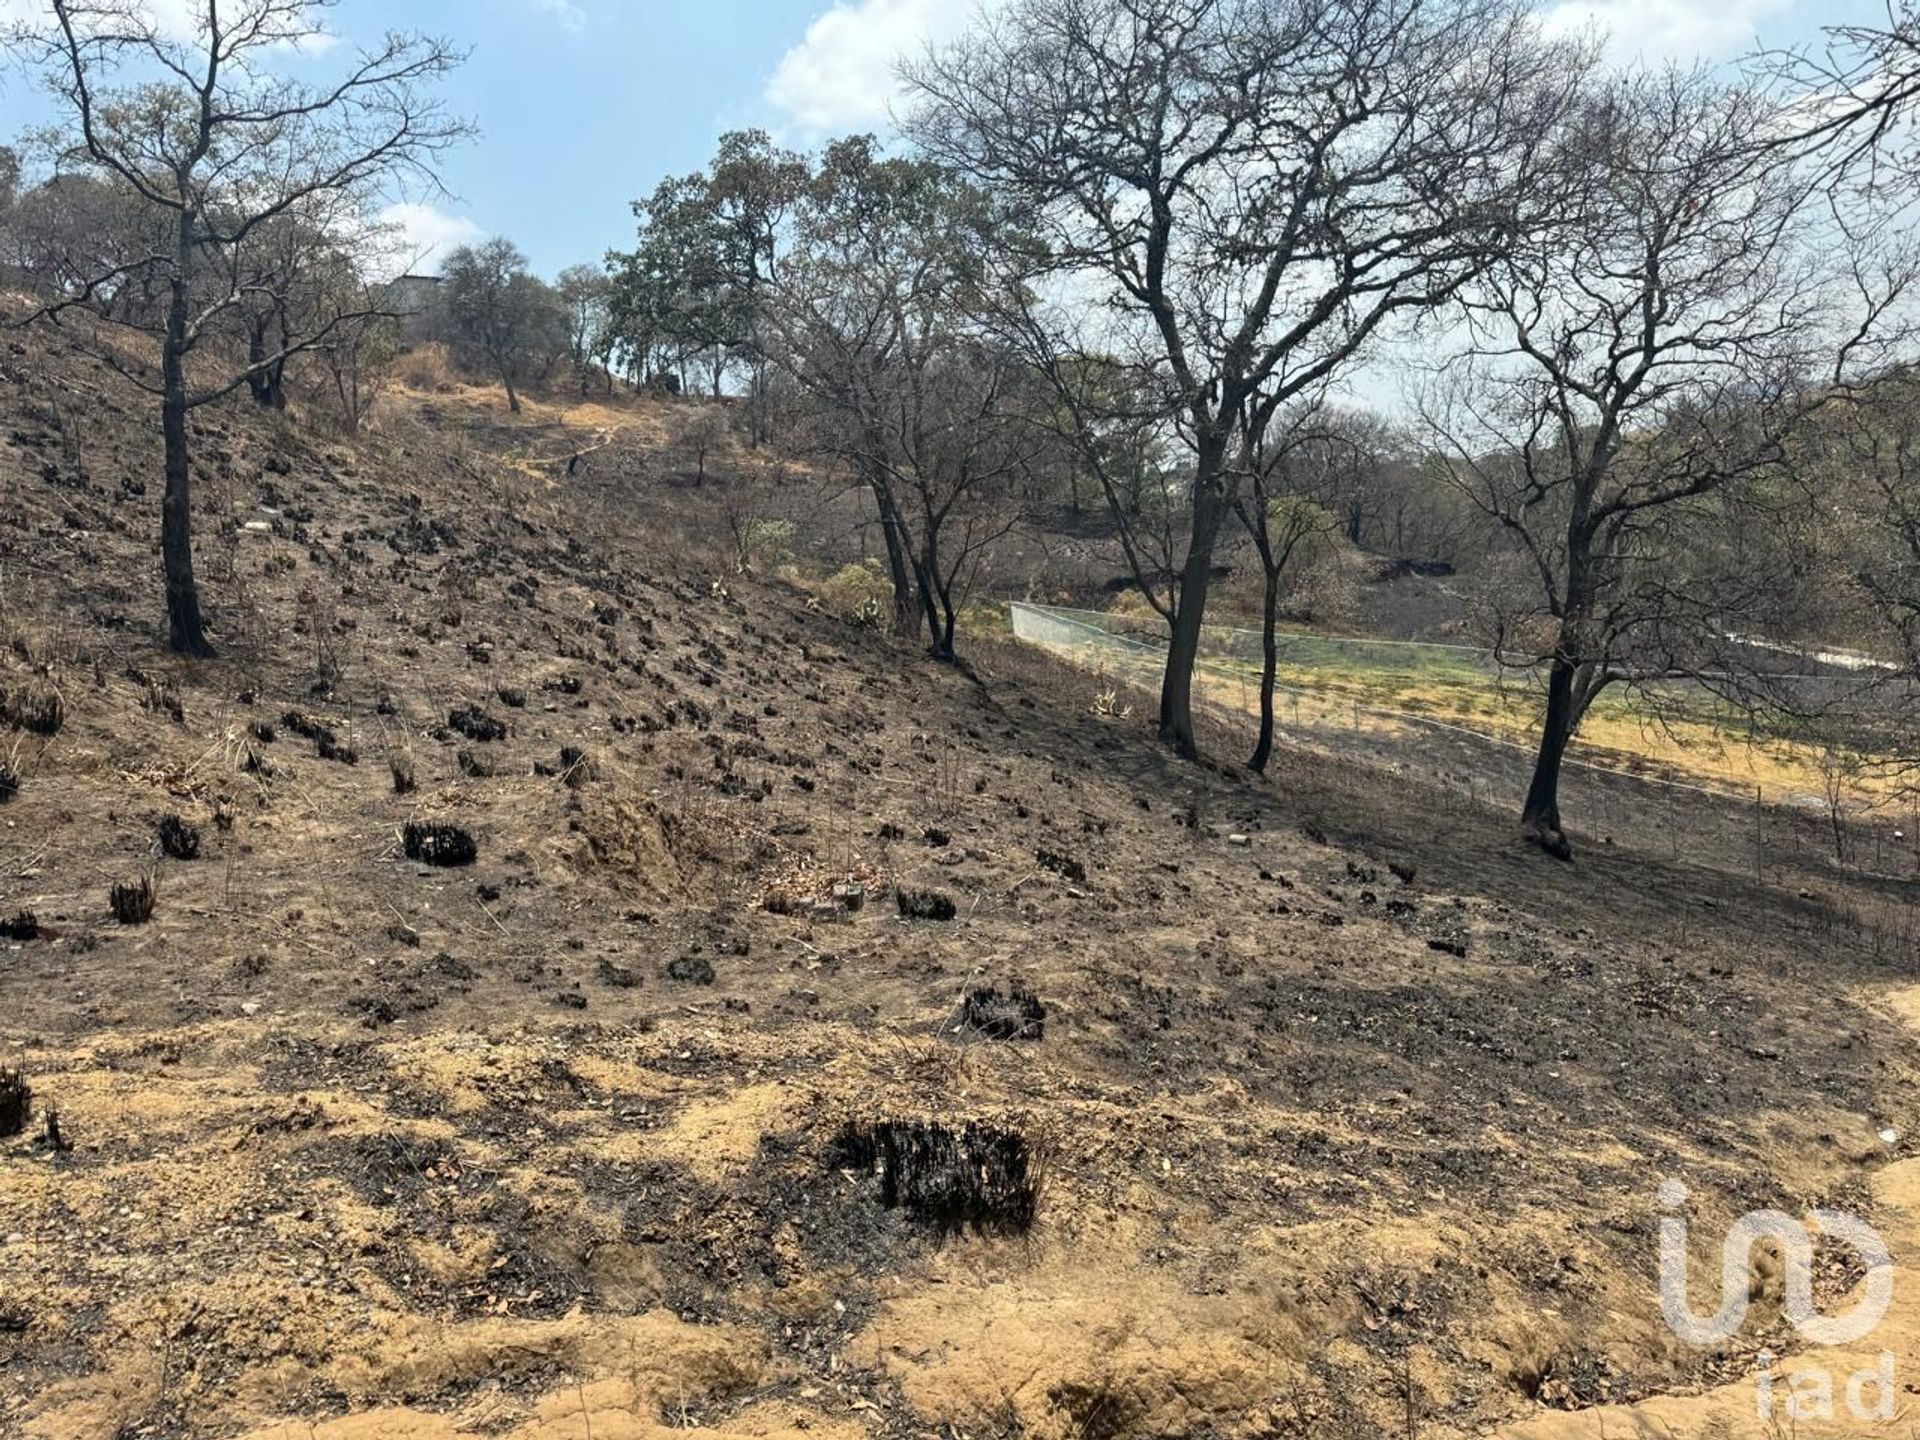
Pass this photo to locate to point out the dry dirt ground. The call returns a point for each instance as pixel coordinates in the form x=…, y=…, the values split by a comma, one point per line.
x=1346, y=1116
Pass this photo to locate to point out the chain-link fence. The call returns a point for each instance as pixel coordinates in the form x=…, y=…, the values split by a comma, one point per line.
x=1763, y=830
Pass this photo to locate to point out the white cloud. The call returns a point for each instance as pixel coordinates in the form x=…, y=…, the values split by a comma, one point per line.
x=1662, y=30
x=841, y=76
x=320, y=42
x=566, y=13
x=424, y=235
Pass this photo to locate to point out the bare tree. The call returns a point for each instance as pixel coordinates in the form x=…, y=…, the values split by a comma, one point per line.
x=216, y=148
x=1294, y=471
x=1866, y=468
x=867, y=308
x=1852, y=101
x=1630, y=387
x=1241, y=194
x=357, y=354
x=584, y=292
x=960, y=439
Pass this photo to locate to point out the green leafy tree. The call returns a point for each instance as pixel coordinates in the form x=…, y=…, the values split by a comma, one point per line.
x=500, y=313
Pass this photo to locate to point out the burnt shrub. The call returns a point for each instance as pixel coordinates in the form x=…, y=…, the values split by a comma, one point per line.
x=16, y=1097
x=159, y=697
x=326, y=744
x=924, y=904
x=306, y=726
x=1018, y=1015
x=132, y=904
x=477, y=766
x=25, y=925
x=9, y=782
x=178, y=839
x=476, y=724
x=434, y=843
x=38, y=709
x=979, y=1176
x=1065, y=866
x=691, y=970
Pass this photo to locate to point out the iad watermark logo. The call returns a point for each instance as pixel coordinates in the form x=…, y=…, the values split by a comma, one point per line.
x=1810, y=1388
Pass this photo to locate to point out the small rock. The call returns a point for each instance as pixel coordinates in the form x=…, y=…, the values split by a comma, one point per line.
x=1240, y=840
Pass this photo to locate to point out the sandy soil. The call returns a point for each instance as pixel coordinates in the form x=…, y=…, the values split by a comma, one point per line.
x=1347, y=1118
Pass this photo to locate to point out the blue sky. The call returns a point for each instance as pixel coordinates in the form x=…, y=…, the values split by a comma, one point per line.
x=584, y=105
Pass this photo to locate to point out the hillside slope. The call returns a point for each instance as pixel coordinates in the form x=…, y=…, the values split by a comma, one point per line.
x=1345, y=1114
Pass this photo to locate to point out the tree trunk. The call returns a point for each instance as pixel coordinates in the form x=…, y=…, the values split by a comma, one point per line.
x=949, y=623
x=184, y=630
x=757, y=426
x=899, y=566
x=1540, y=816
x=936, y=604
x=1183, y=648
x=1269, y=668
x=513, y=396
x=259, y=382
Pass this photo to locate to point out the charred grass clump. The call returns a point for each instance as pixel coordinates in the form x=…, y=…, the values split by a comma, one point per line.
x=924, y=905
x=9, y=782
x=16, y=1099
x=435, y=843
x=326, y=744
x=476, y=724
x=1017, y=1015
x=37, y=709
x=975, y=1176
x=132, y=904
x=178, y=839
